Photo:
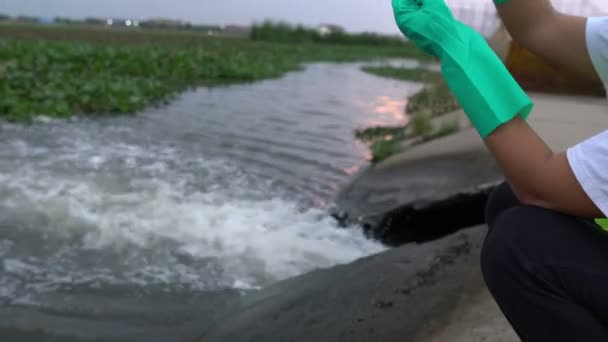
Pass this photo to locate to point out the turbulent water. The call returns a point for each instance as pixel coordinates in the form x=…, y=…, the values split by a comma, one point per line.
x=113, y=227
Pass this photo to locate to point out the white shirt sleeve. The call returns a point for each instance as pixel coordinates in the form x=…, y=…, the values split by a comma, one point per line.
x=589, y=159
x=597, y=45
x=589, y=162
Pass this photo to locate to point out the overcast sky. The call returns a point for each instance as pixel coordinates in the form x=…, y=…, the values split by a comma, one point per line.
x=355, y=15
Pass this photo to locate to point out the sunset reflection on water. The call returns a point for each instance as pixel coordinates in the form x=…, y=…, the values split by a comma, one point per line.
x=388, y=111
x=391, y=107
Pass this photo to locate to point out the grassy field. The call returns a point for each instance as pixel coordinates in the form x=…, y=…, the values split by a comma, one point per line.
x=61, y=70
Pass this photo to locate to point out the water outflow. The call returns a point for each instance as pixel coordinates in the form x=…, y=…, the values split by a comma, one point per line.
x=225, y=188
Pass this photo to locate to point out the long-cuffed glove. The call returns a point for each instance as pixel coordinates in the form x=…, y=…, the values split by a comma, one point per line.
x=480, y=81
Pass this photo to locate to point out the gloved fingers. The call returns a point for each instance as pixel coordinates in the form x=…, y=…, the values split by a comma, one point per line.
x=405, y=7
x=410, y=13
x=414, y=25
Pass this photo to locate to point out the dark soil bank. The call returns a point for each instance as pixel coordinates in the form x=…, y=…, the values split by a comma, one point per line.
x=421, y=199
x=388, y=297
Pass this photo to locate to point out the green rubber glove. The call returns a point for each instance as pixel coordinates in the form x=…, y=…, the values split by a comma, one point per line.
x=480, y=81
x=498, y=2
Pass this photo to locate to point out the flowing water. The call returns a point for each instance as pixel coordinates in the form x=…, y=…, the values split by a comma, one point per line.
x=128, y=228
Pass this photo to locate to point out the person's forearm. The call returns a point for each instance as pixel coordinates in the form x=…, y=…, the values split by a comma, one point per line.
x=537, y=175
x=555, y=37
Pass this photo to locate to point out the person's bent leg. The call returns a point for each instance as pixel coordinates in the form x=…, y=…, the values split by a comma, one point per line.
x=547, y=272
x=500, y=200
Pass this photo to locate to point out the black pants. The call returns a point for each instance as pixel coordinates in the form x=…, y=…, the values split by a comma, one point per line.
x=547, y=271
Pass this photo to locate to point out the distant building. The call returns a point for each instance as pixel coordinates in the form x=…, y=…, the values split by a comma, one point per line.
x=327, y=29
x=46, y=21
x=120, y=22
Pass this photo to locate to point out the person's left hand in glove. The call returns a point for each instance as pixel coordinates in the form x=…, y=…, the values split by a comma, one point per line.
x=496, y=105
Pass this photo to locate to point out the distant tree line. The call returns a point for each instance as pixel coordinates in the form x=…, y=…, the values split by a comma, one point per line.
x=287, y=33
x=156, y=24
x=178, y=26
x=22, y=18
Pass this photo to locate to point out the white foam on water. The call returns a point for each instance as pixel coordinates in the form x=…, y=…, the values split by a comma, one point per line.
x=136, y=201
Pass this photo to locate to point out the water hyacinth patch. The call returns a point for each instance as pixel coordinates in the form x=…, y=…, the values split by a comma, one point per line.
x=62, y=75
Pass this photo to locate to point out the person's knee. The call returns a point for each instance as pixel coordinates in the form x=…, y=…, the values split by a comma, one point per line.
x=496, y=251
x=500, y=200
x=508, y=248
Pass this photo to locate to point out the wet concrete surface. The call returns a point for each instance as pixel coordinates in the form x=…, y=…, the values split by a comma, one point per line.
x=393, y=296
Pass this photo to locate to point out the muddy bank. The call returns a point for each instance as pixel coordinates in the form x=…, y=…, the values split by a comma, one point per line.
x=394, y=296
x=441, y=186
x=422, y=195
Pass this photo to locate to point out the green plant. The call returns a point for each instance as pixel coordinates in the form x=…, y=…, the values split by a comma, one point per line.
x=421, y=123
x=383, y=149
x=435, y=99
x=60, y=70
x=375, y=133
x=406, y=74
x=447, y=128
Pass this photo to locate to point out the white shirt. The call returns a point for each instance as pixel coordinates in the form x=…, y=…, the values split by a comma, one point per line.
x=589, y=159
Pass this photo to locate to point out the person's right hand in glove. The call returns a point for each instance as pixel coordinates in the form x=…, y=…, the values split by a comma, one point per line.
x=486, y=90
